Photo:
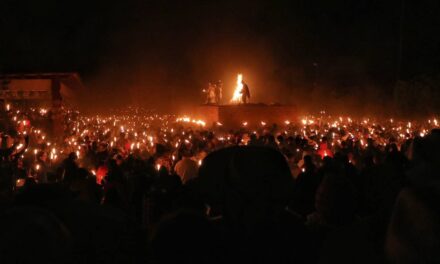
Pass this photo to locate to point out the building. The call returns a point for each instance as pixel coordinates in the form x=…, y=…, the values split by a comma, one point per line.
x=44, y=89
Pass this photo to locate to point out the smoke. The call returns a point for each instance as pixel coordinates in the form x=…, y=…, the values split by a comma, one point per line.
x=166, y=54
x=161, y=54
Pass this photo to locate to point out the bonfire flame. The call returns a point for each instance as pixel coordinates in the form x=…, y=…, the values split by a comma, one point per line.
x=236, y=98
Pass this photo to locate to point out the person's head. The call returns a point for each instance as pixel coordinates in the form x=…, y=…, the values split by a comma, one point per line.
x=4, y=141
x=119, y=160
x=42, y=156
x=280, y=138
x=32, y=235
x=255, y=183
x=270, y=138
x=413, y=234
x=94, y=146
x=160, y=149
x=187, y=153
x=393, y=148
x=20, y=163
x=102, y=147
x=73, y=156
x=344, y=144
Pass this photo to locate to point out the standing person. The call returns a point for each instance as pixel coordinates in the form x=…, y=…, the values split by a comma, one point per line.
x=210, y=94
x=245, y=93
x=206, y=93
x=70, y=167
x=41, y=167
x=218, y=92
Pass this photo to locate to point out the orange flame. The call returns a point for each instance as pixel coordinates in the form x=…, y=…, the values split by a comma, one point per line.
x=236, y=98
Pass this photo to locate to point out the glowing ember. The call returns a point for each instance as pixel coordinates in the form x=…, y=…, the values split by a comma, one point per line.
x=20, y=182
x=189, y=120
x=236, y=98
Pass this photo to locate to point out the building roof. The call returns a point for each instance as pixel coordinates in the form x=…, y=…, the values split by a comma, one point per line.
x=70, y=79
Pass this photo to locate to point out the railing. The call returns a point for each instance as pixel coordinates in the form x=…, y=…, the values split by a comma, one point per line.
x=24, y=95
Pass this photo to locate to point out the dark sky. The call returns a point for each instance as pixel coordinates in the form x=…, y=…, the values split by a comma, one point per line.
x=147, y=52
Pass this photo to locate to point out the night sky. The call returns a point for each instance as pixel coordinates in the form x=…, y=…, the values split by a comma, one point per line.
x=158, y=53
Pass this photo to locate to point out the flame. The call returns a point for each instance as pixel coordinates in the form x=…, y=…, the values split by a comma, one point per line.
x=20, y=182
x=186, y=119
x=236, y=98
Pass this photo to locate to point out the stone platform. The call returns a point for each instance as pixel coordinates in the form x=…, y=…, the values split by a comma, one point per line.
x=233, y=116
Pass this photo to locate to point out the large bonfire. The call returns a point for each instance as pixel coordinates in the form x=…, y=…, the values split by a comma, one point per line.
x=236, y=98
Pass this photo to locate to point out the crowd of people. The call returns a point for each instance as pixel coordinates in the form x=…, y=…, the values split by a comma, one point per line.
x=135, y=186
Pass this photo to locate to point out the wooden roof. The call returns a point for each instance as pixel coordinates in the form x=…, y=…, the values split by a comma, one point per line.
x=70, y=79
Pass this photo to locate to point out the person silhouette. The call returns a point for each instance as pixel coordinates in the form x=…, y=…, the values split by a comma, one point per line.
x=245, y=93
x=218, y=92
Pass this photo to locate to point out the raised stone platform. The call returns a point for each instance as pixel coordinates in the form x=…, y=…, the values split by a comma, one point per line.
x=233, y=116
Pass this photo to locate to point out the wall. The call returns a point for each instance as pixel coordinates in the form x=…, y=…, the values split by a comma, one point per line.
x=233, y=116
